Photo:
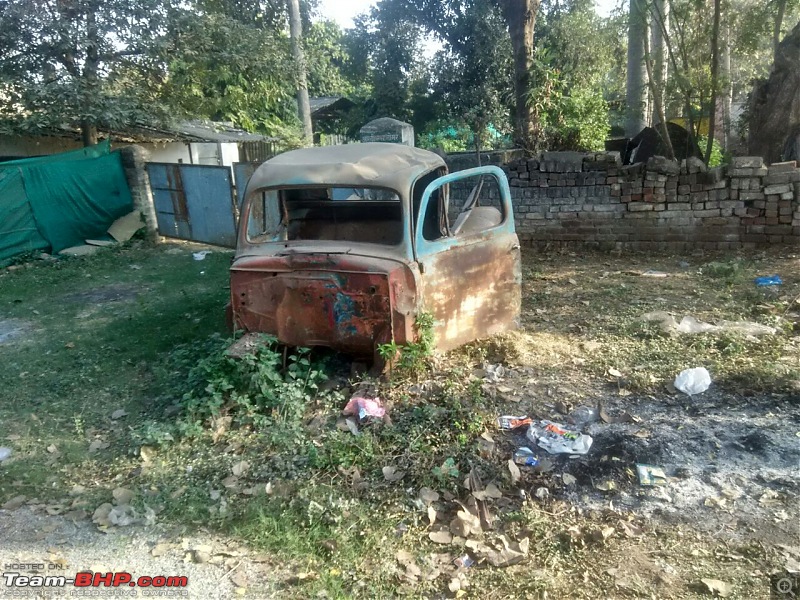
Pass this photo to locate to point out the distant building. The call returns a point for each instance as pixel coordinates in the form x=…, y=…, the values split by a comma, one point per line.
x=328, y=114
x=190, y=142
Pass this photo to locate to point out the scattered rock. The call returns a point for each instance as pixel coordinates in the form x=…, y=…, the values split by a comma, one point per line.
x=717, y=587
x=14, y=503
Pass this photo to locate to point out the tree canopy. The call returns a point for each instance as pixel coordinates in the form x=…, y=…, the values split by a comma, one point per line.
x=466, y=73
x=86, y=61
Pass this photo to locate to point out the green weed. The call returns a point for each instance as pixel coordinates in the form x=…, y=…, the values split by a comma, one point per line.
x=410, y=360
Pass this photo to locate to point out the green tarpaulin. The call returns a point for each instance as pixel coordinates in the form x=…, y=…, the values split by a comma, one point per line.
x=100, y=149
x=61, y=200
x=18, y=231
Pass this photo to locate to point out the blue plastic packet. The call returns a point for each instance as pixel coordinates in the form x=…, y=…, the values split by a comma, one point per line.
x=526, y=456
x=767, y=281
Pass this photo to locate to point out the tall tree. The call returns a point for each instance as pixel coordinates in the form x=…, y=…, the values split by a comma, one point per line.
x=327, y=61
x=520, y=17
x=780, y=13
x=775, y=102
x=225, y=69
x=83, y=62
x=438, y=17
x=660, y=19
x=384, y=45
x=471, y=73
x=576, y=72
x=303, y=106
x=636, y=88
x=712, y=117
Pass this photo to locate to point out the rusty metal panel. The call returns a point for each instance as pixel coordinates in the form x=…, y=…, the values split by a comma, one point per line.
x=473, y=290
x=309, y=292
x=471, y=283
x=322, y=301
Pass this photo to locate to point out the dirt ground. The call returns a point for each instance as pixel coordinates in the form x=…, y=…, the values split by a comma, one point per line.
x=732, y=462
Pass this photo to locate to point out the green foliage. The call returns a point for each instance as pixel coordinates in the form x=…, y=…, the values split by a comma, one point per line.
x=385, y=54
x=584, y=120
x=225, y=70
x=752, y=24
x=565, y=119
x=411, y=359
x=717, y=156
x=471, y=79
x=447, y=469
x=326, y=60
x=448, y=138
x=67, y=62
x=255, y=389
x=729, y=271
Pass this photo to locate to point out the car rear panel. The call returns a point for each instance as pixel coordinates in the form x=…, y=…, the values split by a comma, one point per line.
x=345, y=303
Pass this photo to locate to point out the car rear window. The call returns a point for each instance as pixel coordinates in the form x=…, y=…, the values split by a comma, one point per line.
x=372, y=215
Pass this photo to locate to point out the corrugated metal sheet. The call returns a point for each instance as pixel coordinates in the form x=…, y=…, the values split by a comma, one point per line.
x=194, y=202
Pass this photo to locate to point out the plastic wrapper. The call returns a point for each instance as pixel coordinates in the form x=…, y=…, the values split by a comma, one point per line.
x=509, y=422
x=526, y=457
x=768, y=281
x=364, y=407
x=650, y=475
x=557, y=439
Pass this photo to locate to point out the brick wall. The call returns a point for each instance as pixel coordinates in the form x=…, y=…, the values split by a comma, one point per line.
x=570, y=197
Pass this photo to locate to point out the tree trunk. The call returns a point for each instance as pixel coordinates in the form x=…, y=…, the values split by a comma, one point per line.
x=88, y=133
x=660, y=16
x=775, y=102
x=776, y=32
x=658, y=96
x=303, y=105
x=712, y=117
x=520, y=16
x=636, y=90
x=90, y=67
x=727, y=92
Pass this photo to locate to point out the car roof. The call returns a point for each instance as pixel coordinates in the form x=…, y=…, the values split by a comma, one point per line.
x=376, y=164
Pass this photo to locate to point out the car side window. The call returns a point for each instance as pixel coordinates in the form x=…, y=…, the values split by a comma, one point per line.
x=475, y=205
x=434, y=221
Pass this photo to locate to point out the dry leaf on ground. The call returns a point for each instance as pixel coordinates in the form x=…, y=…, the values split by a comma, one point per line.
x=391, y=474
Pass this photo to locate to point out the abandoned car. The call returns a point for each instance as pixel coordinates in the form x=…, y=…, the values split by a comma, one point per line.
x=344, y=246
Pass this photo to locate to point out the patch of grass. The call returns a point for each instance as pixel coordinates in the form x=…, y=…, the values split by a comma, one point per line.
x=98, y=328
x=604, y=308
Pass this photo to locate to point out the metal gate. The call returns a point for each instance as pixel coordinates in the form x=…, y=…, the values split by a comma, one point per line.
x=194, y=202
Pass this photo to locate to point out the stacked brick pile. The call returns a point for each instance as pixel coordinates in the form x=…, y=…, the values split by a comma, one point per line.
x=769, y=193
x=568, y=197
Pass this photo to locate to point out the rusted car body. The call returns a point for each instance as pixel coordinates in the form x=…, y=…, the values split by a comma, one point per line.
x=343, y=246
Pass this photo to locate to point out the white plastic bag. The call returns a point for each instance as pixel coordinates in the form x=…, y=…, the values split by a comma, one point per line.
x=693, y=381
